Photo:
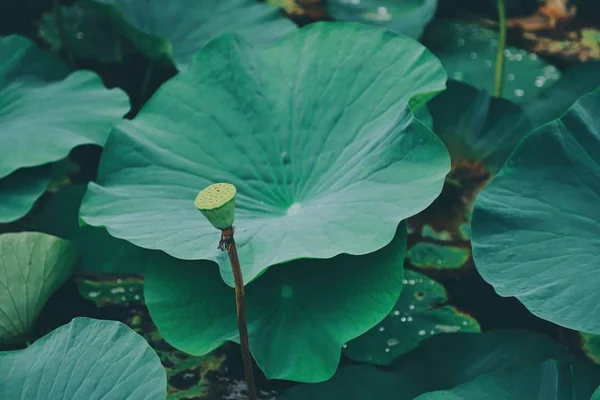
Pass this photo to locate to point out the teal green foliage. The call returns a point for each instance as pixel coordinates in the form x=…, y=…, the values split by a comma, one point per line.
x=534, y=225
x=357, y=163
x=88, y=359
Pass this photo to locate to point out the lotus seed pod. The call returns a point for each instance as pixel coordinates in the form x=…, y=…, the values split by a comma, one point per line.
x=217, y=203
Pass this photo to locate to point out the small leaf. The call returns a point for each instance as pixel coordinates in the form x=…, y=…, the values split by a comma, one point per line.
x=419, y=314
x=468, y=53
x=32, y=266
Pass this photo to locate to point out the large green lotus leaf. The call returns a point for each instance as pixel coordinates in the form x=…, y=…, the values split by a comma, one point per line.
x=547, y=380
x=468, y=52
x=288, y=129
x=558, y=98
x=42, y=120
x=100, y=252
x=85, y=359
x=439, y=363
x=419, y=313
x=408, y=17
x=33, y=265
x=168, y=31
x=535, y=226
x=477, y=128
x=19, y=190
x=299, y=314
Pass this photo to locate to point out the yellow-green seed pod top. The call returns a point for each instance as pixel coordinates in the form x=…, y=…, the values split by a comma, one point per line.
x=217, y=203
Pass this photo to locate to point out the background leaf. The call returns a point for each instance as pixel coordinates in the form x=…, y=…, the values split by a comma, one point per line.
x=468, y=53
x=441, y=362
x=168, y=32
x=547, y=380
x=34, y=265
x=419, y=313
x=88, y=359
x=534, y=226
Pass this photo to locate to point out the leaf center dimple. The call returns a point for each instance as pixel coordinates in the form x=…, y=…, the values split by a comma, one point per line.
x=294, y=209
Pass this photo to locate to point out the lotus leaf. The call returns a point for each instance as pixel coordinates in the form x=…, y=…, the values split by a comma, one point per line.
x=32, y=266
x=439, y=363
x=468, y=52
x=535, y=226
x=73, y=111
x=418, y=314
x=85, y=359
x=476, y=127
x=297, y=324
x=547, y=380
x=35, y=92
x=321, y=167
x=165, y=31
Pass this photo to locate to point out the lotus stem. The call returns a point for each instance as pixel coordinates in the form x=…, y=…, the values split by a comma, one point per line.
x=240, y=308
x=217, y=204
x=499, y=75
